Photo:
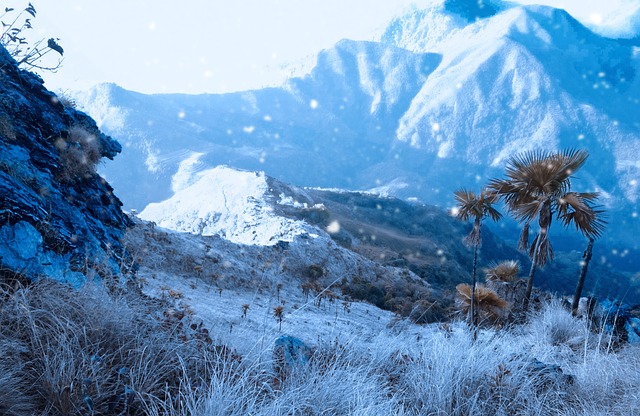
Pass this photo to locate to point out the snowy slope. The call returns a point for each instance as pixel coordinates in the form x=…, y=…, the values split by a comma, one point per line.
x=439, y=103
x=224, y=202
x=214, y=277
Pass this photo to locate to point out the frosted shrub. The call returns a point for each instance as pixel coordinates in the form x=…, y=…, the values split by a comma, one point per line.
x=556, y=326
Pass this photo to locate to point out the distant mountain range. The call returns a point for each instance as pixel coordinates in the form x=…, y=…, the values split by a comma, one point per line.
x=439, y=102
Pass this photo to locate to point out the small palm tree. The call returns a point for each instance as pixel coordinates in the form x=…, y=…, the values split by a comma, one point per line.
x=490, y=306
x=538, y=184
x=577, y=209
x=478, y=207
x=504, y=279
x=505, y=271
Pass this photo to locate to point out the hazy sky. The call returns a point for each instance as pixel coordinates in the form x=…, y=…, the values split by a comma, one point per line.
x=196, y=46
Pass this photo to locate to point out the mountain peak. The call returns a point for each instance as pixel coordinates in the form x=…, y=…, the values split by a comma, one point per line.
x=430, y=29
x=225, y=202
x=380, y=114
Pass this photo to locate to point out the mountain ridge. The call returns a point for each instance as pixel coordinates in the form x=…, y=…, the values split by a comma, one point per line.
x=436, y=122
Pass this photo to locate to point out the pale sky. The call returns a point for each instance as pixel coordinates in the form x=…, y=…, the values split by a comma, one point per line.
x=197, y=46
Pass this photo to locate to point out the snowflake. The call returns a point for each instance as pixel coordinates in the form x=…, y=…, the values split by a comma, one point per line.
x=333, y=227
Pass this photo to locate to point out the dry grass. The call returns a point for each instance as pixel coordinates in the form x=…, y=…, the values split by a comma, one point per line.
x=92, y=351
x=100, y=351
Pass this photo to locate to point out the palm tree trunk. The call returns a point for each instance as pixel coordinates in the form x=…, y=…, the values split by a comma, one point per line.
x=583, y=274
x=474, y=307
x=544, y=220
x=527, y=294
x=532, y=272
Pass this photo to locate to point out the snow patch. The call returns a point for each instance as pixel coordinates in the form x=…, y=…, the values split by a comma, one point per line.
x=389, y=189
x=185, y=174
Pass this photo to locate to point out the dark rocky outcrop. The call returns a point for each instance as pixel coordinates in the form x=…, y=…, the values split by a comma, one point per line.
x=58, y=218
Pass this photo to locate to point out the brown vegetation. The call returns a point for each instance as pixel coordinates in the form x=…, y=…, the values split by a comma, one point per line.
x=491, y=307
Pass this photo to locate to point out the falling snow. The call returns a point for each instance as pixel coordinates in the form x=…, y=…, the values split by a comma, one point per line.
x=410, y=116
x=333, y=227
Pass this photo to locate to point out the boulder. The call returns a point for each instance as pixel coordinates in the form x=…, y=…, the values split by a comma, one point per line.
x=289, y=353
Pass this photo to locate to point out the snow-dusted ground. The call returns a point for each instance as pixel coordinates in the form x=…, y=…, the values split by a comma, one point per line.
x=213, y=278
x=370, y=362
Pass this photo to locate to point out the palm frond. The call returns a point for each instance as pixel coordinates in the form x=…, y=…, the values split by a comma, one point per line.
x=493, y=213
x=541, y=250
x=476, y=206
x=466, y=201
x=527, y=211
x=490, y=305
x=538, y=173
x=577, y=209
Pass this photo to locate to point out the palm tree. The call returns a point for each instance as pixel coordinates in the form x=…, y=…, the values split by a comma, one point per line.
x=503, y=278
x=470, y=205
x=505, y=271
x=488, y=303
x=538, y=184
x=589, y=222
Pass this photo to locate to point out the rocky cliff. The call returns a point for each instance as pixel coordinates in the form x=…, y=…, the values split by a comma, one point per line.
x=58, y=218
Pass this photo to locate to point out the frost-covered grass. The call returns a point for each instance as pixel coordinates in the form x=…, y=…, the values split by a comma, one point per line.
x=67, y=352
x=92, y=351
x=444, y=373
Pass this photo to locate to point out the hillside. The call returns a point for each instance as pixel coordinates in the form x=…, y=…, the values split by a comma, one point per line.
x=251, y=208
x=235, y=292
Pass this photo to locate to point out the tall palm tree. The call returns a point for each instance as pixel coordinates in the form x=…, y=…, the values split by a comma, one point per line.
x=478, y=207
x=538, y=184
x=577, y=209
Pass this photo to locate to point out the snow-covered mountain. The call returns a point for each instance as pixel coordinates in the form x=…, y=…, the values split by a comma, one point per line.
x=228, y=203
x=440, y=102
